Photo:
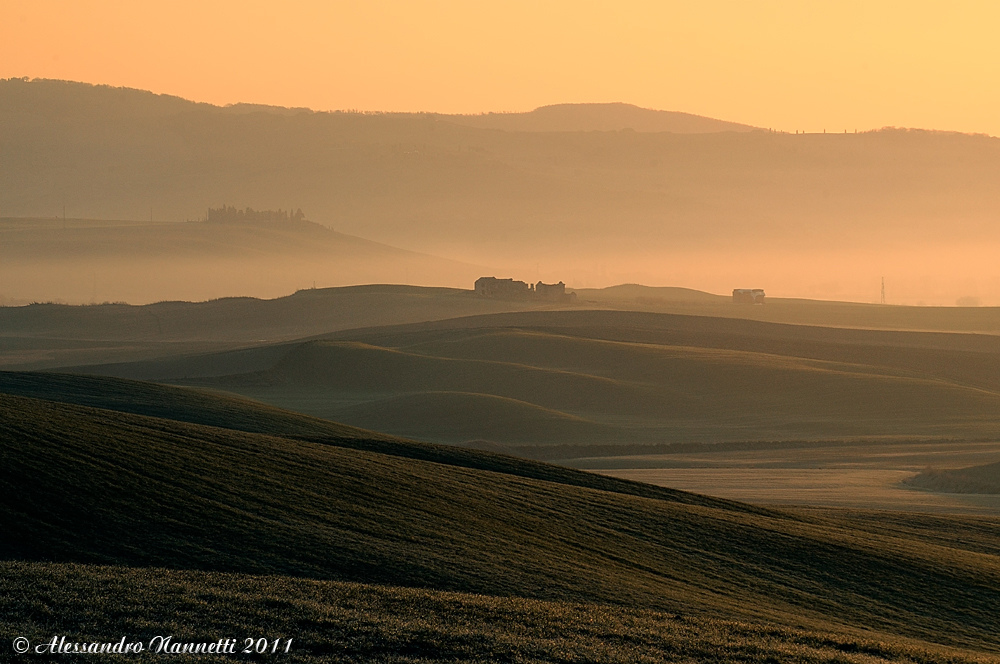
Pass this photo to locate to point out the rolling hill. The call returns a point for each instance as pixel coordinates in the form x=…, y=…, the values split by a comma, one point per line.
x=53, y=335
x=86, y=486
x=536, y=382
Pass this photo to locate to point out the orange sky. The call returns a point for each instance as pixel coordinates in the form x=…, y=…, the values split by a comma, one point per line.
x=790, y=65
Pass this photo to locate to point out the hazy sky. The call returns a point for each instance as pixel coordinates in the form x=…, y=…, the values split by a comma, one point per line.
x=790, y=65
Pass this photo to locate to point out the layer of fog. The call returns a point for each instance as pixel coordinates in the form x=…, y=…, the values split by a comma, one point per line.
x=820, y=216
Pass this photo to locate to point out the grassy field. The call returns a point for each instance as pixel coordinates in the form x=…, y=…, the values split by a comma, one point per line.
x=346, y=622
x=96, y=486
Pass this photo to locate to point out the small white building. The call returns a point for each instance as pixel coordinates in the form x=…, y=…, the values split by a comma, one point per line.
x=748, y=295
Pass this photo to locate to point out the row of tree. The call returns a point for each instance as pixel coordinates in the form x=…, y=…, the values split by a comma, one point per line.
x=230, y=214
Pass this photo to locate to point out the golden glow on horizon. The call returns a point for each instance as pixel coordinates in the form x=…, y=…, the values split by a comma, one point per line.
x=788, y=65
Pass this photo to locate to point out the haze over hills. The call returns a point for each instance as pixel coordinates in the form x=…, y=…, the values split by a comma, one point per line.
x=818, y=215
x=78, y=261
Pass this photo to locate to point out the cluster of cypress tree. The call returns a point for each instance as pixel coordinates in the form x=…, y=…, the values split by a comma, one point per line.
x=229, y=214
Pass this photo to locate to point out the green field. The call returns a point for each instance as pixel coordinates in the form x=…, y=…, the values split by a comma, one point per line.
x=53, y=335
x=797, y=311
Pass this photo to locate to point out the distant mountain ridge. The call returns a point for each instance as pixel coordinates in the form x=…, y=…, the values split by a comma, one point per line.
x=615, y=116
x=59, y=95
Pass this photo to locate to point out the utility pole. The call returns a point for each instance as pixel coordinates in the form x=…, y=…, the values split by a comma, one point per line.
x=883, y=290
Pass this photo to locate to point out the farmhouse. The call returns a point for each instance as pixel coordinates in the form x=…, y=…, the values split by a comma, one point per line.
x=510, y=289
x=493, y=287
x=556, y=292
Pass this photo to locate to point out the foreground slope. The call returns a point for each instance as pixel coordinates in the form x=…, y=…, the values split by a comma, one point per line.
x=98, y=486
x=337, y=622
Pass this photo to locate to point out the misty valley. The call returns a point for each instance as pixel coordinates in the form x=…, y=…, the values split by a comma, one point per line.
x=285, y=385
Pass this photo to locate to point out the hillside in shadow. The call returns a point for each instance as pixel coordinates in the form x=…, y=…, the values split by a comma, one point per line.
x=545, y=382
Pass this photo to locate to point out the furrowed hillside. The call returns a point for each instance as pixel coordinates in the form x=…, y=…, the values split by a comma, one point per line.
x=88, y=485
x=174, y=403
x=229, y=412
